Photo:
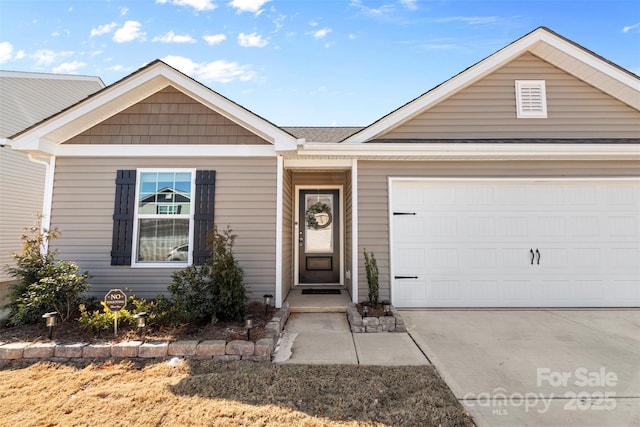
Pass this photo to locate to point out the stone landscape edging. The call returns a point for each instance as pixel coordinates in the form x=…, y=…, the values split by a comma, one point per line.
x=258, y=351
x=358, y=324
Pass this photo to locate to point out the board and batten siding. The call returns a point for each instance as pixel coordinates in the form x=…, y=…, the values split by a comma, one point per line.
x=373, y=194
x=83, y=201
x=167, y=117
x=21, y=194
x=487, y=109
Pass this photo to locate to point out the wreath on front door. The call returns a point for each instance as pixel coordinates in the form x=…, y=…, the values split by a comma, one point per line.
x=318, y=216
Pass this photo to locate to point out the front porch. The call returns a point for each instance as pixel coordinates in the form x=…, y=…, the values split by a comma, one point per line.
x=318, y=303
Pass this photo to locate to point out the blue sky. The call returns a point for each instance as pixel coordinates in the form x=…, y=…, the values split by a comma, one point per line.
x=302, y=62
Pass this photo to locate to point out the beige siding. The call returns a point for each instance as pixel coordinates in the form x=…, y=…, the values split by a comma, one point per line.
x=83, y=203
x=288, y=233
x=487, y=109
x=373, y=196
x=167, y=117
x=21, y=193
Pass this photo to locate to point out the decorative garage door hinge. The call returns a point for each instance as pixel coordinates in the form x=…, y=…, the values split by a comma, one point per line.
x=404, y=213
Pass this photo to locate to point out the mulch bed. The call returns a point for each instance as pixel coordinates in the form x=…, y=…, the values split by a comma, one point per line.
x=72, y=331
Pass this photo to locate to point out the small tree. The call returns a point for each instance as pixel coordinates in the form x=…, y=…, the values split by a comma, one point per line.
x=42, y=283
x=371, y=266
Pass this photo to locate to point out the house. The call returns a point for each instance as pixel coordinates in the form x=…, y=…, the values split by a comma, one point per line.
x=516, y=183
x=26, y=99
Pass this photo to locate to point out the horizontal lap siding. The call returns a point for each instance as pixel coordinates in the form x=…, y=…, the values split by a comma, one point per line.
x=373, y=195
x=21, y=192
x=83, y=200
x=167, y=117
x=487, y=109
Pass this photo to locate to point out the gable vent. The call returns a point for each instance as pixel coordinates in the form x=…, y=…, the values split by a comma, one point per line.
x=531, y=99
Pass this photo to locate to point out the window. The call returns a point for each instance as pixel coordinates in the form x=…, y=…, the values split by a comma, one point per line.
x=163, y=216
x=531, y=99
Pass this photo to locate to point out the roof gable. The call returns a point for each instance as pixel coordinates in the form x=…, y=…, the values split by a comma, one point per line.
x=118, y=97
x=543, y=43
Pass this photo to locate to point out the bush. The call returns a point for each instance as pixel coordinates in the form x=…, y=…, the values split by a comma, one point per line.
x=213, y=291
x=371, y=266
x=42, y=283
x=101, y=318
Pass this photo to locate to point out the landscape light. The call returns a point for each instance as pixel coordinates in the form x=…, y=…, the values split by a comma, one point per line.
x=51, y=320
x=248, y=325
x=267, y=302
x=141, y=320
x=365, y=308
x=386, y=307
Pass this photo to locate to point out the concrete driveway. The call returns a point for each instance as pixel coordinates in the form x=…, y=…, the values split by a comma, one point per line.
x=536, y=367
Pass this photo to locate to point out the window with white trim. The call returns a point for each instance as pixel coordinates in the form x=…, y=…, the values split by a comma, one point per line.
x=531, y=99
x=163, y=223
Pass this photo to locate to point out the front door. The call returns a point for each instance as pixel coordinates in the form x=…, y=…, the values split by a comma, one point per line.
x=319, y=236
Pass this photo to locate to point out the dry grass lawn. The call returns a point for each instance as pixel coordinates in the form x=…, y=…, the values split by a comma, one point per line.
x=208, y=393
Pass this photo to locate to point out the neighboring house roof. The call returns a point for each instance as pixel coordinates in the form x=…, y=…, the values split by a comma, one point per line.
x=543, y=43
x=28, y=98
x=322, y=134
x=148, y=80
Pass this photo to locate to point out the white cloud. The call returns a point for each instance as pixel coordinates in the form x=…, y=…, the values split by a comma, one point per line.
x=321, y=89
x=382, y=10
x=20, y=54
x=103, y=29
x=314, y=23
x=252, y=6
x=320, y=34
x=214, y=39
x=410, y=4
x=116, y=68
x=199, y=5
x=219, y=71
x=352, y=37
x=631, y=27
x=6, y=51
x=130, y=31
x=46, y=57
x=472, y=20
x=252, y=40
x=172, y=37
x=69, y=67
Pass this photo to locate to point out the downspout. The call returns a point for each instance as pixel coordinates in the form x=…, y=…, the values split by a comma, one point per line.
x=49, y=164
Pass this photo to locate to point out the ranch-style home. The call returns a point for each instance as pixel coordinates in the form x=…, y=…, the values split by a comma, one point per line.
x=515, y=183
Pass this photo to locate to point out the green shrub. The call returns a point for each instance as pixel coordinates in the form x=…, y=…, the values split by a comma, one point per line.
x=371, y=266
x=102, y=320
x=42, y=283
x=213, y=291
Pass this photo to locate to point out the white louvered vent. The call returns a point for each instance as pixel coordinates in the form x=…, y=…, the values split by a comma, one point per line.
x=531, y=99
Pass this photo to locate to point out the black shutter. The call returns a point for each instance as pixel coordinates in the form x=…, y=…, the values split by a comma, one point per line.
x=124, y=205
x=203, y=214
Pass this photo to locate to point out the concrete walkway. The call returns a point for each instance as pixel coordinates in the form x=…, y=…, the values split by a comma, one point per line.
x=325, y=338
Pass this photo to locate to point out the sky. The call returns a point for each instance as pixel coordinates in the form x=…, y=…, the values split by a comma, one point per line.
x=302, y=62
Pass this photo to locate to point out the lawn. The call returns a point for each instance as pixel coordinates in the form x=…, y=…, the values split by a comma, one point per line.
x=213, y=393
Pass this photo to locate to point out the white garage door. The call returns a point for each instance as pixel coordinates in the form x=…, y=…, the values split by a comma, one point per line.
x=506, y=243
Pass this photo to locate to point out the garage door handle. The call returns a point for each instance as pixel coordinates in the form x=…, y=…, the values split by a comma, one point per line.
x=533, y=256
x=538, y=252
x=405, y=277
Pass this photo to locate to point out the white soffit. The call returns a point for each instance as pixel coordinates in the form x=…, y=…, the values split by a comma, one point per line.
x=541, y=42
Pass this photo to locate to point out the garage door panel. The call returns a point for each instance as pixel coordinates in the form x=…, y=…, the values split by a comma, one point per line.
x=473, y=242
